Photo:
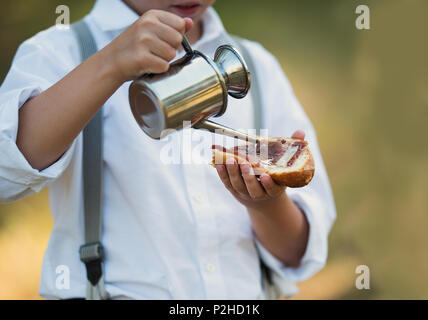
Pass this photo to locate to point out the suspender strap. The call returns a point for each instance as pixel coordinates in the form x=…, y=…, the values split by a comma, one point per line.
x=255, y=86
x=92, y=253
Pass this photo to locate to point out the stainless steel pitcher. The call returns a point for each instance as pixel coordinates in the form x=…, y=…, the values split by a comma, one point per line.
x=193, y=89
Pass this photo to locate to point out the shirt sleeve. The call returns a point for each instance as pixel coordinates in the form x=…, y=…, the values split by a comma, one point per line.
x=282, y=115
x=38, y=63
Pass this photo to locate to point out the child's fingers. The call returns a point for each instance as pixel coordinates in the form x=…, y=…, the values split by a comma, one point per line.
x=162, y=49
x=299, y=134
x=224, y=176
x=272, y=189
x=189, y=23
x=235, y=176
x=174, y=21
x=157, y=65
x=169, y=35
x=253, y=186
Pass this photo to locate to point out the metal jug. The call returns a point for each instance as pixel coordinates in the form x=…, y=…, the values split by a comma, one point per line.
x=193, y=89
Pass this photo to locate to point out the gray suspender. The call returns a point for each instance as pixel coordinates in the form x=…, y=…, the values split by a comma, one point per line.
x=255, y=87
x=92, y=253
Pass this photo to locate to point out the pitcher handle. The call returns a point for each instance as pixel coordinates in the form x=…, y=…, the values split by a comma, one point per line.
x=186, y=46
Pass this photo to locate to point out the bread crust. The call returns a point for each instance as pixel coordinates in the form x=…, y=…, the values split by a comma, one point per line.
x=293, y=179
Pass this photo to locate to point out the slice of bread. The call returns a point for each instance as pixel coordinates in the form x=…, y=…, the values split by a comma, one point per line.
x=288, y=161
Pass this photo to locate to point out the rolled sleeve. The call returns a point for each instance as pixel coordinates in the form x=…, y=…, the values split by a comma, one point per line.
x=37, y=65
x=16, y=172
x=283, y=115
x=315, y=255
x=17, y=177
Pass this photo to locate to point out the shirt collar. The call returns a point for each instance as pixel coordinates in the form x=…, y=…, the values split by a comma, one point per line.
x=114, y=15
x=212, y=26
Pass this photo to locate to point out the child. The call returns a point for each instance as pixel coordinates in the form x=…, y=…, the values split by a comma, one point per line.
x=180, y=231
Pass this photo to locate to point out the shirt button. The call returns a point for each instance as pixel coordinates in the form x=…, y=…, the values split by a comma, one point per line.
x=210, y=267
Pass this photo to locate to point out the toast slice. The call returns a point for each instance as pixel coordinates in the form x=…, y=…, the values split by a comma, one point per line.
x=288, y=161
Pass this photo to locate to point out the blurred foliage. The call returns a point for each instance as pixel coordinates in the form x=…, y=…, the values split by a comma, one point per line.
x=366, y=94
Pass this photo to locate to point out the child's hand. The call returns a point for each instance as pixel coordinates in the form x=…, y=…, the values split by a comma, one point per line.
x=147, y=45
x=240, y=180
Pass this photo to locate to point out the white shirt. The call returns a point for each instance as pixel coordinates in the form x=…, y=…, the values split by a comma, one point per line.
x=170, y=231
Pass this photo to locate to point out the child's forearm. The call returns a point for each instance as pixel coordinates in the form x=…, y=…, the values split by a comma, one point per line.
x=50, y=122
x=282, y=228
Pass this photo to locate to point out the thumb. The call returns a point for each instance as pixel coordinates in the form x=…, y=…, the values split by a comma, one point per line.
x=189, y=23
x=299, y=134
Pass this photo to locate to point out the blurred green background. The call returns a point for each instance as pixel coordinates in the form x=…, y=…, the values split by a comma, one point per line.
x=366, y=94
